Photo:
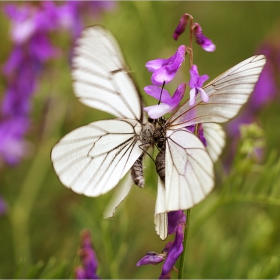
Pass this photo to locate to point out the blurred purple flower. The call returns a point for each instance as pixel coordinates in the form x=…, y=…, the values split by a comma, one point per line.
x=196, y=82
x=265, y=90
x=180, y=29
x=88, y=258
x=164, y=70
x=12, y=147
x=71, y=14
x=201, y=39
x=3, y=207
x=31, y=26
x=168, y=104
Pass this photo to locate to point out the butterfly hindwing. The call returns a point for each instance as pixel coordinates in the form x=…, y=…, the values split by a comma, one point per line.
x=188, y=169
x=215, y=139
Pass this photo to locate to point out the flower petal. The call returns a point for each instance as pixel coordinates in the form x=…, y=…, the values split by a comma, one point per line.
x=181, y=26
x=162, y=75
x=156, y=64
x=164, y=70
x=151, y=258
x=202, y=40
x=157, y=111
x=201, y=80
x=193, y=76
x=159, y=93
x=204, y=96
x=174, y=218
x=192, y=96
x=175, y=250
x=178, y=94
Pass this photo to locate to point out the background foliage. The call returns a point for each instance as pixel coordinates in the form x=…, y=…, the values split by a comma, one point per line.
x=235, y=232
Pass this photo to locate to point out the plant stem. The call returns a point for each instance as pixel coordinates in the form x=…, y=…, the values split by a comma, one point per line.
x=182, y=261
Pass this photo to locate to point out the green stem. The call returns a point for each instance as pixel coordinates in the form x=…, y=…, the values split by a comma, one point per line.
x=182, y=261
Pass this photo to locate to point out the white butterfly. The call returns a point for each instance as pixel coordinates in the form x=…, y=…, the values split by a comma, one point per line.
x=92, y=159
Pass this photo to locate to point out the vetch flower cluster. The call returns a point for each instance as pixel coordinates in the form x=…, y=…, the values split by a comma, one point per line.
x=31, y=27
x=200, y=38
x=164, y=71
x=173, y=249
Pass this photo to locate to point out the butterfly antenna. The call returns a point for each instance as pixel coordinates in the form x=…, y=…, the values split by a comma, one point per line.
x=161, y=92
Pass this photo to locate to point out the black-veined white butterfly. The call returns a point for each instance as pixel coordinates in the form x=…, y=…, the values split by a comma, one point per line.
x=92, y=159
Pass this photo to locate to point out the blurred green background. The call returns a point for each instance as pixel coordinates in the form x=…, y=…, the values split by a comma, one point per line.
x=234, y=233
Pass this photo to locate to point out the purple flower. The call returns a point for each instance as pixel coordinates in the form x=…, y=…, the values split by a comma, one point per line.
x=173, y=249
x=72, y=12
x=168, y=104
x=174, y=218
x=3, y=207
x=88, y=258
x=164, y=70
x=80, y=273
x=181, y=26
x=196, y=82
x=31, y=27
x=151, y=258
x=201, y=39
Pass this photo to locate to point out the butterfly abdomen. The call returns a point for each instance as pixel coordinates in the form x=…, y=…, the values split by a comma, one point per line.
x=137, y=172
x=160, y=164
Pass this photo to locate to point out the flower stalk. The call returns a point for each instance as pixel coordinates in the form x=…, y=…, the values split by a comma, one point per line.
x=182, y=260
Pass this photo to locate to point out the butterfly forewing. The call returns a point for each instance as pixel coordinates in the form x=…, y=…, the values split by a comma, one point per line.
x=100, y=77
x=227, y=93
x=93, y=158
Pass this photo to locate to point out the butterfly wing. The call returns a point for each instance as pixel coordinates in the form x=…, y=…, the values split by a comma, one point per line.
x=92, y=159
x=119, y=195
x=160, y=219
x=227, y=93
x=215, y=138
x=100, y=77
x=188, y=169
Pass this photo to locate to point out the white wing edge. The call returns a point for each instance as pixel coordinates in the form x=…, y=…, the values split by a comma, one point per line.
x=120, y=194
x=215, y=138
x=160, y=218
